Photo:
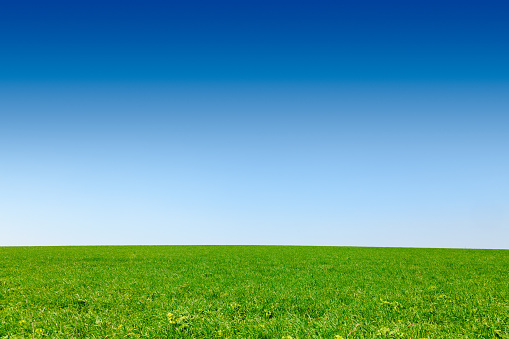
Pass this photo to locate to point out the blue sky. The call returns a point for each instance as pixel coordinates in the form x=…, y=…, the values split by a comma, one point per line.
x=306, y=123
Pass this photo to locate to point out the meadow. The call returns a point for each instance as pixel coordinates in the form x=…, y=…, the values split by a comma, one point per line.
x=253, y=292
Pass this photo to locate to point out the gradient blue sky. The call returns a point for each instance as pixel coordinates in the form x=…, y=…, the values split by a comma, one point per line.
x=362, y=123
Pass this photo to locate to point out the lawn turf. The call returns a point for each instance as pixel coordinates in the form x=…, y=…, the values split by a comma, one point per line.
x=253, y=292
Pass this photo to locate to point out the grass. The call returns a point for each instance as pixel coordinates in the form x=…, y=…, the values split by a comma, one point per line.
x=253, y=292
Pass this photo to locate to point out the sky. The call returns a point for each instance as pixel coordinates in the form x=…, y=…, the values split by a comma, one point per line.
x=341, y=123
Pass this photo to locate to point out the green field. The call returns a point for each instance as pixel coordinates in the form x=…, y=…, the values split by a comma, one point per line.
x=253, y=292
